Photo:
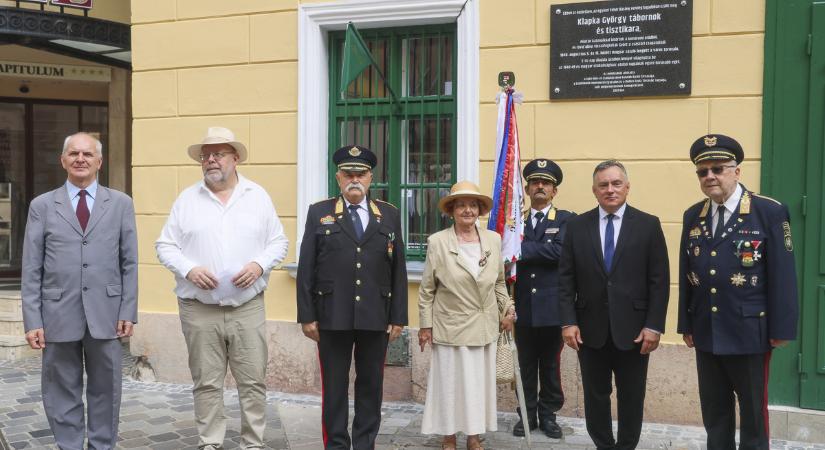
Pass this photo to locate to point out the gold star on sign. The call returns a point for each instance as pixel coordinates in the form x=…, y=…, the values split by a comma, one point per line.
x=737, y=279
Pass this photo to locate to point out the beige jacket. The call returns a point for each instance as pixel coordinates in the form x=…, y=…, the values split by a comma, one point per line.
x=461, y=310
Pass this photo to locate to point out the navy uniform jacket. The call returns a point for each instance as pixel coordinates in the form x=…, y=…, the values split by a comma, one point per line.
x=345, y=284
x=739, y=290
x=537, y=281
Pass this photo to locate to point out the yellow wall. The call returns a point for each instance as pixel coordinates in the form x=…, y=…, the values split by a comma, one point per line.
x=211, y=62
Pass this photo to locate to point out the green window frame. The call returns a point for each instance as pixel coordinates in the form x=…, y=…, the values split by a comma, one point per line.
x=414, y=136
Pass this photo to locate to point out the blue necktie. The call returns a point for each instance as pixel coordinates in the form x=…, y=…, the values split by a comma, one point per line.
x=356, y=221
x=720, y=221
x=539, y=215
x=608, y=243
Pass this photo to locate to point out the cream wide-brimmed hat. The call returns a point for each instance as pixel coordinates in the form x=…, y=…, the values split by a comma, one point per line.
x=465, y=189
x=218, y=135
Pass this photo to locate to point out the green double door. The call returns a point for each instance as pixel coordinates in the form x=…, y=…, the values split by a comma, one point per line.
x=793, y=170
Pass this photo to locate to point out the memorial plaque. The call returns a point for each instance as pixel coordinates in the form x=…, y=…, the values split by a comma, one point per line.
x=620, y=48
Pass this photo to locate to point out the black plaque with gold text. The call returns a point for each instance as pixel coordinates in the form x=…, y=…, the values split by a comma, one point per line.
x=620, y=48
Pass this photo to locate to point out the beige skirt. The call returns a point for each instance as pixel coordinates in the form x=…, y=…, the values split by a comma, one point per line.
x=461, y=390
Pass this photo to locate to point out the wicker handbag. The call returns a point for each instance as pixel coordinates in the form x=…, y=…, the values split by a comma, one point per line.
x=505, y=372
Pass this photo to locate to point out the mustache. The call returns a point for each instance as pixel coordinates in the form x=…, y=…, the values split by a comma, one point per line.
x=352, y=186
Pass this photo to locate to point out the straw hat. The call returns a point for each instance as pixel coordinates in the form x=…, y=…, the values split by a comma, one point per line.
x=465, y=189
x=218, y=135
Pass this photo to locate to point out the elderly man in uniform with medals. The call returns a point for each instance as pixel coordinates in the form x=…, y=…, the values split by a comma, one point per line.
x=352, y=293
x=538, y=331
x=737, y=293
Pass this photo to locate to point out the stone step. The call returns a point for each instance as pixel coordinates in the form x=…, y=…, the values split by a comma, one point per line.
x=13, y=344
x=13, y=348
x=797, y=424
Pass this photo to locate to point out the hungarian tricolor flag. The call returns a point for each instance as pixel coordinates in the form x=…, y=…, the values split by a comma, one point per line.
x=508, y=193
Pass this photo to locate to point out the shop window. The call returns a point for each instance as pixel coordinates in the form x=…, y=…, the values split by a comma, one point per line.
x=412, y=133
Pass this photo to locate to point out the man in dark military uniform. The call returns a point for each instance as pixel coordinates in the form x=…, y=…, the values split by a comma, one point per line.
x=538, y=332
x=352, y=292
x=737, y=293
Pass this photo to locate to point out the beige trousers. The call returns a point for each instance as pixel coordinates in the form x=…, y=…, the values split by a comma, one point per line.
x=217, y=335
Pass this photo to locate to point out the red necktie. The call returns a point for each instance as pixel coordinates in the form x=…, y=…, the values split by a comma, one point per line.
x=82, y=210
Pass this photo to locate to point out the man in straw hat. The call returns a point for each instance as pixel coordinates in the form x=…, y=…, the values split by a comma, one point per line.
x=538, y=335
x=222, y=238
x=737, y=293
x=352, y=293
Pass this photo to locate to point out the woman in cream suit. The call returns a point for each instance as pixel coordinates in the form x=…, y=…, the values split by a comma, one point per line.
x=463, y=305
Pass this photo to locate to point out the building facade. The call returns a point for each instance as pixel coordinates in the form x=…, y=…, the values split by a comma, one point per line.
x=269, y=70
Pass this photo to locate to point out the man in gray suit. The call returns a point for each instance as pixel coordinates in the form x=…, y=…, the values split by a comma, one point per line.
x=79, y=287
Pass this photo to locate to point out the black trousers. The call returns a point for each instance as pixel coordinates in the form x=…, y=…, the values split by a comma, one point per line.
x=539, y=350
x=336, y=350
x=598, y=366
x=746, y=376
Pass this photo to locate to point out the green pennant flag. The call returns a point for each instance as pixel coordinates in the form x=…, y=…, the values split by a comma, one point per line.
x=357, y=57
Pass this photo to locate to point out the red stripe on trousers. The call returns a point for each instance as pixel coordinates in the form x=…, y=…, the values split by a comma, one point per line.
x=765, y=416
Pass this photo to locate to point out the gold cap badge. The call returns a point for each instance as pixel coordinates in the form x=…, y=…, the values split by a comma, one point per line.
x=542, y=163
x=355, y=151
x=710, y=141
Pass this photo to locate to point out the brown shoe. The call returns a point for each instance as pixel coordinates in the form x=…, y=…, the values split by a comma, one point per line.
x=474, y=443
x=448, y=443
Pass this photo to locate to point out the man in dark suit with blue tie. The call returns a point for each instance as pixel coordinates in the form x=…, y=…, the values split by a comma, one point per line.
x=737, y=293
x=538, y=335
x=613, y=292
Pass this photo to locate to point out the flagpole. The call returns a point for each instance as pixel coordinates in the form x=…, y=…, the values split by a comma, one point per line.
x=506, y=216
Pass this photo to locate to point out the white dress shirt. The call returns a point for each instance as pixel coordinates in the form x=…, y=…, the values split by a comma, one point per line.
x=362, y=211
x=74, y=194
x=533, y=212
x=202, y=231
x=730, y=206
x=617, y=225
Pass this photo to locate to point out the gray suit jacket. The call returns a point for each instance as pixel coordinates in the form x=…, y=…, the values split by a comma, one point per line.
x=71, y=279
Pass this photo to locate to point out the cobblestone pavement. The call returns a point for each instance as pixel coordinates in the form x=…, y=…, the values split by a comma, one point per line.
x=158, y=416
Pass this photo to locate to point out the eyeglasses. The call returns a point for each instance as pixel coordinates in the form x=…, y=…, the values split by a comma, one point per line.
x=717, y=170
x=217, y=155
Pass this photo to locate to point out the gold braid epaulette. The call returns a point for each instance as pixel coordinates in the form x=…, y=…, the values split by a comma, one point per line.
x=386, y=203
x=768, y=198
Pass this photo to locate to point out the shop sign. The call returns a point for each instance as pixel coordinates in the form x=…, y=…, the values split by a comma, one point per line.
x=84, y=4
x=620, y=48
x=29, y=70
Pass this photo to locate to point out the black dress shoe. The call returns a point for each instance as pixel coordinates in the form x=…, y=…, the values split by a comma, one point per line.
x=518, y=428
x=551, y=428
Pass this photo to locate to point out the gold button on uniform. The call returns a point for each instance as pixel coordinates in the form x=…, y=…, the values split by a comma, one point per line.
x=714, y=309
x=712, y=290
x=357, y=298
x=533, y=290
x=358, y=249
x=762, y=314
x=713, y=271
x=358, y=265
x=532, y=275
x=358, y=282
x=713, y=253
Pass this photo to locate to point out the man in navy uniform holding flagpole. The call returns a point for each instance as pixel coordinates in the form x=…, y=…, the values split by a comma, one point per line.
x=352, y=293
x=538, y=331
x=737, y=293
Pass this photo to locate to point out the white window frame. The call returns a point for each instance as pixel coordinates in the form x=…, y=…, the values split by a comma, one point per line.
x=315, y=21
